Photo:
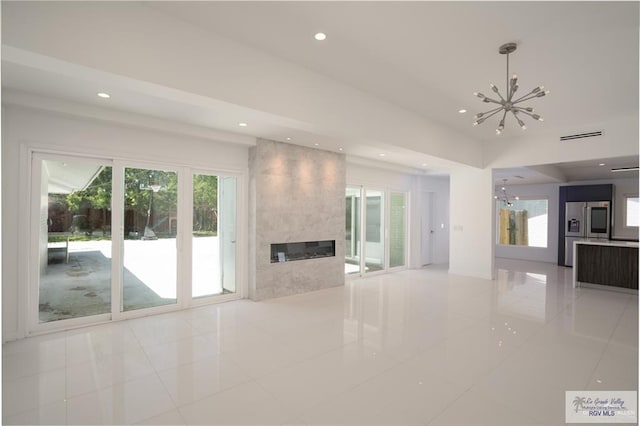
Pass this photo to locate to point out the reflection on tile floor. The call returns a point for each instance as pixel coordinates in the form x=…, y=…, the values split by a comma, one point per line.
x=418, y=347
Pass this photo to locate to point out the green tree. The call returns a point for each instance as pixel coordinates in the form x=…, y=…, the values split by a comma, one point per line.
x=89, y=206
x=152, y=196
x=205, y=204
x=97, y=195
x=146, y=189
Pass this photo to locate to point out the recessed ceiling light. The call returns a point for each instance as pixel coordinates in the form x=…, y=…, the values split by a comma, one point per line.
x=316, y=144
x=339, y=149
x=424, y=164
x=104, y=95
x=601, y=164
x=320, y=36
x=381, y=155
x=288, y=139
x=462, y=111
x=242, y=124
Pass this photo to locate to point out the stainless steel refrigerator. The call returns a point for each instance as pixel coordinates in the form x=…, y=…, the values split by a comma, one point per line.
x=585, y=220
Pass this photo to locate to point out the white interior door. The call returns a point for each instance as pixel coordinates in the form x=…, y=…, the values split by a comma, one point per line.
x=426, y=226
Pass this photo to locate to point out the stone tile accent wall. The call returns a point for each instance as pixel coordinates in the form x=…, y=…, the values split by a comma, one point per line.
x=295, y=194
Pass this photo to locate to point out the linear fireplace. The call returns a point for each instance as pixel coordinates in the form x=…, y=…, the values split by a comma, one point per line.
x=287, y=252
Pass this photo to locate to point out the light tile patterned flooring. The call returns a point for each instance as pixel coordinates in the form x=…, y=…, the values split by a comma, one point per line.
x=418, y=347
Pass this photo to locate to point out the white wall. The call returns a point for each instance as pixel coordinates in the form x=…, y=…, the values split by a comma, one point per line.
x=620, y=139
x=377, y=175
x=623, y=188
x=25, y=128
x=472, y=245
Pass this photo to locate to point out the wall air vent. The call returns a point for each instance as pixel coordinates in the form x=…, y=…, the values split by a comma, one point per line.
x=581, y=136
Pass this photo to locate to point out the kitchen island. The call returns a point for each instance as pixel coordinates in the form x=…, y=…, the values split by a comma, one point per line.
x=606, y=263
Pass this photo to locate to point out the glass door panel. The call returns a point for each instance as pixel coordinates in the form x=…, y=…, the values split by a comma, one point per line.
x=205, y=265
x=352, y=231
x=213, y=236
x=228, y=232
x=397, y=229
x=150, y=222
x=374, y=231
x=74, y=239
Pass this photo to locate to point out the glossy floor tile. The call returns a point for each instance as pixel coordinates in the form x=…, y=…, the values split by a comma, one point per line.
x=417, y=347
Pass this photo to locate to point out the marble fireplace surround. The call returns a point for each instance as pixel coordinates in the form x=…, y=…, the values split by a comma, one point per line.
x=295, y=194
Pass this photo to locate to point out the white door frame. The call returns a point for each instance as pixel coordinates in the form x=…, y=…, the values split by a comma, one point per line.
x=183, y=239
x=34, y=326
x=188, y=246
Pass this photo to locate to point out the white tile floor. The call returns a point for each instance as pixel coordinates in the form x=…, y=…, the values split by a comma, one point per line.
x=419, y=347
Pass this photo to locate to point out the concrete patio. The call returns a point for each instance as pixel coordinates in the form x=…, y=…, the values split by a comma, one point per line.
x=82, y=286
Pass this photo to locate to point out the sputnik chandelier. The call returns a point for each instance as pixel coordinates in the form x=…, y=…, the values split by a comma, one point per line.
x=503, y=196
x=507, y=103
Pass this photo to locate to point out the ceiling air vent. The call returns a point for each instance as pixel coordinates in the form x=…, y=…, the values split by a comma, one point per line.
x=581, y=136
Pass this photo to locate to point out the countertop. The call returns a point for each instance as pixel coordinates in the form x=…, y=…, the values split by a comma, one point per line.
x=613, y=243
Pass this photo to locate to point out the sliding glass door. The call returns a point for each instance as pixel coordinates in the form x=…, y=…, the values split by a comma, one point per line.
x=374, y=235
x=149, y=274
x=205, y=271
x=213, y=237
x=397, y=229
x=73, y=241
x=380, y=244
x=353, y=244
x=83, y=270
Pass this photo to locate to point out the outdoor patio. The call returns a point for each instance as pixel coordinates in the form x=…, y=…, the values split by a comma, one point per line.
x=82, y=286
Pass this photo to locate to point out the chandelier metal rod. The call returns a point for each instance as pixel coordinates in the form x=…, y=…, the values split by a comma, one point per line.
x=534, y=116
x=492, y=114
x=525, y=98
x=498, y=93
x=501, y=123
x=481, y=114
x=525, y=112
x=507, y=85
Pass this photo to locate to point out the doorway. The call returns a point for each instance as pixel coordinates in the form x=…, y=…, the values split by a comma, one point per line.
x=376, y=230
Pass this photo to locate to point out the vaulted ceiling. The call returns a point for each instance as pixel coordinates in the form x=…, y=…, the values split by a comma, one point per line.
x=418, y=63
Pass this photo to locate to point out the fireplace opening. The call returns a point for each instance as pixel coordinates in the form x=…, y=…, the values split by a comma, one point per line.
x=287, y=252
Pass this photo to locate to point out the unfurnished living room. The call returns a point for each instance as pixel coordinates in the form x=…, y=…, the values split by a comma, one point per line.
x=320, y=213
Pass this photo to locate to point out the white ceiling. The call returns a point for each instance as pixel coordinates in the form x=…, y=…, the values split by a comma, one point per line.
x=575, y=171
x=430, y=57
x=426, y=57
